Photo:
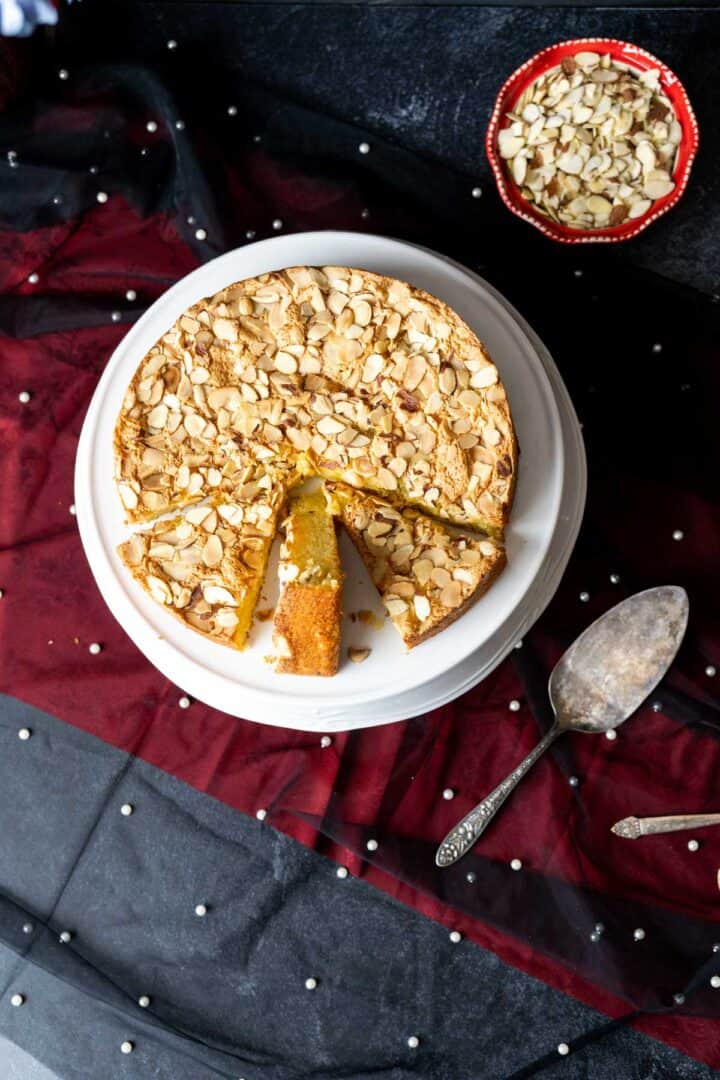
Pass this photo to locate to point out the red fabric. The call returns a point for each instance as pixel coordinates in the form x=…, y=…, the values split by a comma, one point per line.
x=52, y=610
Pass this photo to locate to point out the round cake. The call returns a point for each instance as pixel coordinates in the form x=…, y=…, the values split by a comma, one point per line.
x=336, y=372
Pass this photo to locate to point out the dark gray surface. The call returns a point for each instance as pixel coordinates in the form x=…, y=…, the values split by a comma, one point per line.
x=426, y=78
x=278, y=914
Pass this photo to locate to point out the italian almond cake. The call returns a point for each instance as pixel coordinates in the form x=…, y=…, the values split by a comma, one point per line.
x=306, y=629
x=363, y=380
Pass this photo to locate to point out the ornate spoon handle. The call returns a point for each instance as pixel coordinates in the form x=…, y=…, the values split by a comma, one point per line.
x=633, y=827
x=462, y=837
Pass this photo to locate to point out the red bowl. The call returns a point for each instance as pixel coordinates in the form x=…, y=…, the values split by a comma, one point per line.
x=635, y=58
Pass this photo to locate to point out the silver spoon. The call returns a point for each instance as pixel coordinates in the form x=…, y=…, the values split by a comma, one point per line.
x=598, y=683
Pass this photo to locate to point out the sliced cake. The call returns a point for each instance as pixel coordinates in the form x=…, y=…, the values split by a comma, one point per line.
x=308, y=616
x=207, y=565
x=427, y=573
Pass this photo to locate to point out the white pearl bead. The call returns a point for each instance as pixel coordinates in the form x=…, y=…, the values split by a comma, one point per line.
x=277, y=224
x=151, y=126
x=261, y=814
x=63, y=74
x=172, y=44
x=93, y=170
x=693, y=845
x=455, y=937
x=28, y=928
x=639, y=934
x=311, y=984
x=24, y=734
x=232, y=110
x=657, y=706
x=514, y=705
x=179, y=125
x=584, y=597
x=184, y=702
x=614, y=579
x=73, y=510
x=471, y=877
x=200, y=234
x=131, y=295
x=24, y=396
x=716, y=947
x=657, y=347
x=711, y=671
x=413, y=1042
x=250, y=234
x=201, y=910
x=57, y=200
x=476, y=193
x=563, y=1049
x=715, y=982
x=126, y=809
x=611, y=735
x=365, y=213
x=17, y=1000
x=372, y=845
x=679, y=999
x=678, y=534
x=577, y=273
x=33, y=278
x=102, y=196
x=573, y=781
x=257, y=138
x=116, y=316
x=448, y=794
x=95, y=648
x=519, y=644
x=65, y=937
x=325, y=742
x=143, y=1001
x=342, y=872
x=2, y=593
x=516, y=864
x=127, y=1047
x=364, y=148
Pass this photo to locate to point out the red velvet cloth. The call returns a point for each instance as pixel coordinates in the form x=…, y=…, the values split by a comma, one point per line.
x=385, y=781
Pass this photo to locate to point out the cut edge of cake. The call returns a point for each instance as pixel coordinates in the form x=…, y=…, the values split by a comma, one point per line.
x=308, y=619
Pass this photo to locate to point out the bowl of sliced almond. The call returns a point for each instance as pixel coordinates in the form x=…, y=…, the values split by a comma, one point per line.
x=592, y=140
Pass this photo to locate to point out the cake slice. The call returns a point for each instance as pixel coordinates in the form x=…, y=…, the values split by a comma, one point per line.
x=428, y=573
x=307, y=625
x=207, y=565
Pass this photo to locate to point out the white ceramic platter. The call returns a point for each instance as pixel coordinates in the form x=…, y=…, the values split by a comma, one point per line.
x=391, y=684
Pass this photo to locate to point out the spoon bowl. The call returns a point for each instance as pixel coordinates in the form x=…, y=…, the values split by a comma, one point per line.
x=598, y=683
x=616, y=663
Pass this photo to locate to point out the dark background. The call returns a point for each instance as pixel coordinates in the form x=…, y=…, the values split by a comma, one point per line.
x=421, y=78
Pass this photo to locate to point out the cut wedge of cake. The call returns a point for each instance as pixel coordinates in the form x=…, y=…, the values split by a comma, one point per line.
x=307, y=624
x=427, y=573
x=207, y=565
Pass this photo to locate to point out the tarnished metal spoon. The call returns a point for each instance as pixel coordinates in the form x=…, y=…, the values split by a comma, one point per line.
x=600, y=681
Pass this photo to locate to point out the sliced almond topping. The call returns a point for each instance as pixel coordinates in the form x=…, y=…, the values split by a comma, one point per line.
x=217, y=594
x=357, y=655
x=422, y=607
x=213, y=551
